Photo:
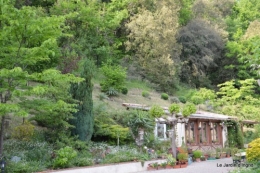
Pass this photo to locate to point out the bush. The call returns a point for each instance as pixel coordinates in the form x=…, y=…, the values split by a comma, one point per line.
x=115, y=77
x=64, y=156
x=182, y=99
x=28, y=150
x=124, y=91
x=156, y=111
x=174, y=100
x=197, y=100
x=25, y=167
x=164, y=96
x=253, y=150
x=24, y=131
x=188, y=109
x=174, y=108
x=102, y=96
x=112, y=91
x=83, y=161
x=145, y=94
x=197, y=154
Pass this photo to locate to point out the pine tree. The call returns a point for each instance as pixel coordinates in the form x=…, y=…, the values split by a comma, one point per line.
x=83, y=119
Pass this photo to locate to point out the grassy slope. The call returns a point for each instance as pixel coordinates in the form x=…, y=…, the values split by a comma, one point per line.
x=134, y=95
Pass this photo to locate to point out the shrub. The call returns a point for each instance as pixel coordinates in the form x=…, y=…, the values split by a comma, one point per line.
x=196, y=100
x=188, y=109
x=24, y=131
x=174, y=108
x=83, y=161
x=115, y=77
x=124, y=91
x=112, y=91
x=253, y=150
x=174, y=100
x=164, y=96
x=156, y=111
x=102, y=96
x=197, y=154
x=182, y=99
x=64, y=156
x=145, y=94
x=25, y=167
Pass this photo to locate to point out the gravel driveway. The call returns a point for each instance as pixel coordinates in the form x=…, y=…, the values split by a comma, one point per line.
x=210, y=166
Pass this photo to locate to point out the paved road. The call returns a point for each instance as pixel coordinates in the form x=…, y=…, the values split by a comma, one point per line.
x=210, y=166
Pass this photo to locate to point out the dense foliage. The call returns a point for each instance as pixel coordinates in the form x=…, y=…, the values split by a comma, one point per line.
x=211, y=47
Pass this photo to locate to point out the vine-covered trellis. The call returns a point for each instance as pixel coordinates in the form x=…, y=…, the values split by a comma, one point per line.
x=235, y=135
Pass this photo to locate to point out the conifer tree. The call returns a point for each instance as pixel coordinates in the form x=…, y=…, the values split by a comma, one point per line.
x=83, y=118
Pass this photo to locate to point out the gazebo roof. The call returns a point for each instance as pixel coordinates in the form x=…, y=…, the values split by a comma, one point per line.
x=198, y=115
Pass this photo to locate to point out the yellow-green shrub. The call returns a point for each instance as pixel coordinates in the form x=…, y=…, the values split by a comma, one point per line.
x=253, y=151
x=24, y=131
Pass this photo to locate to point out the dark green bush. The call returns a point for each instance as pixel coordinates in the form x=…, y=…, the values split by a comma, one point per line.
x=145, y=94
x=182, y=99
x=124, y=90
x=164, y=96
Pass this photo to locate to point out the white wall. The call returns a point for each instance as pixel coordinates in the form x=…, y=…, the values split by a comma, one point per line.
x=224, y=135
x=114, y=168
x=180, y=133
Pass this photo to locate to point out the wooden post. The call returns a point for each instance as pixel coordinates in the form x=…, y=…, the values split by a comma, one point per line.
x=173, y=140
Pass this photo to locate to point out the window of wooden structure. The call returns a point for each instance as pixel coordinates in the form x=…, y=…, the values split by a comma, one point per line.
x=214, y=133
x=160, y=130
x=190, y=132
x=203, y=133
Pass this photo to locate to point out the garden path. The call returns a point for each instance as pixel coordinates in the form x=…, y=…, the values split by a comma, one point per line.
x=210, y=166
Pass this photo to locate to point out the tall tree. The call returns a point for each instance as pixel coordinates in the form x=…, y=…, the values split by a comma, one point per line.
x=27, y=38
x=153, y=45
x=93, y=28
x=202, y=53
x=83, y=120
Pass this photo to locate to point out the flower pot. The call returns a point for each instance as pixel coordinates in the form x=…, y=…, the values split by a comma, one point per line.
x=149, y=168
x=176, y=166
x=184, y=165
x=198, y=160
x=169, y=167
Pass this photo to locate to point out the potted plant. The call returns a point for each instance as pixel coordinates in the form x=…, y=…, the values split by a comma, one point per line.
x=183, y=159
x=223, y=153
x=153, y=166
x=207, y=154
x=203, y=158
x=171, y=161
x=163, y=165
x=228, y=151
x=197, y=155
x=234, y=151
x=211, y=155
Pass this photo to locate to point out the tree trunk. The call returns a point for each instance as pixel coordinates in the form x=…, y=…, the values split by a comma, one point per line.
x=2, y=136
x=173, y=141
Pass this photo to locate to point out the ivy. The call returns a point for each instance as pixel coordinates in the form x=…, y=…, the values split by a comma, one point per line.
x=235, y=136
